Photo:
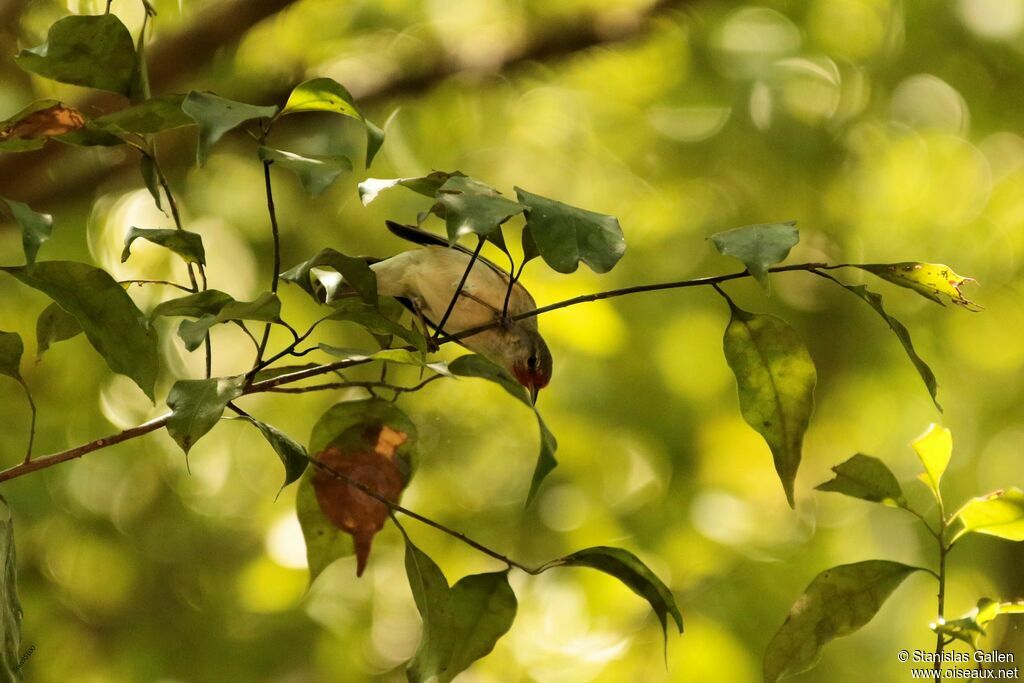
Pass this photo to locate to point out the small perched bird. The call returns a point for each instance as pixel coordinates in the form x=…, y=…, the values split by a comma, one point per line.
x=429, y=277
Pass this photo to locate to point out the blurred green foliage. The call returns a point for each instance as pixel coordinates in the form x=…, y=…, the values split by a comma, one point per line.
x=889, y=130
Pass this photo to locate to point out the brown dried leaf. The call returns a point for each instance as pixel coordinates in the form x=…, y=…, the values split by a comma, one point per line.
x=370, y=463
x=48, y=122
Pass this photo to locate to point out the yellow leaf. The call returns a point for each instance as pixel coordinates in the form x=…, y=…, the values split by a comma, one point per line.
x=934, y=281
x=934, y=448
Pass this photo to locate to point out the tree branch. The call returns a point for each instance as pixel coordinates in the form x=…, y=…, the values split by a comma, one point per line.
x=326, y=386
x=268, y=385
x=276, y=234
x=78, y=451
x=176, y=58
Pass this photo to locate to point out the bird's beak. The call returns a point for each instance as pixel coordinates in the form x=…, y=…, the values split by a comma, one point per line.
x=534, y=390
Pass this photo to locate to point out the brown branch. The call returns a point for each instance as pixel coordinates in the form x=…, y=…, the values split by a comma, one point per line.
x=174, y=59
x=78, y=451
x=171, y=60
x=327, y=386
x=317, y=370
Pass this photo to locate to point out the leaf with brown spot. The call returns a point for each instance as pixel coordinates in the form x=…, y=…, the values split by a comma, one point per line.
x=368, y=443
x=48, y=121
x=349, y=508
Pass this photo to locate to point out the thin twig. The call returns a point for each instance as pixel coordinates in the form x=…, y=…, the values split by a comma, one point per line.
x=275, y=232
x=327, y=386
x=513, y=277
x=613, y=293
x=176, y=215
x=78, y=451
x=924, y=522
x=155, y=282
x=315, y=371
x=940, y=643
x=32, y=424
x=458, y=290
x=250, y=335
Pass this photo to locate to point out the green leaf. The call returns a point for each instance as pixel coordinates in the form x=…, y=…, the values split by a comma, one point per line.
x=999, y=514
x=867, y=478
x=344, y=420
x=758, y=246
x=90, y=135
x=427, y=185
x=207, y=302
x=10, y=618
x=36, y=228
x=875, y=301
x=54, y=325
x=483, y=609
x=325, y=94
x=216, y=116
x=187, y=245
x=21, y=144
x=634, y=574
x=11, y=350
x=546, y=461
x=150, y=116
x=934, y=281
x=434, y=602
x=139, y=89
x=473, y=365
x=838, y=602
x=973, y=625
x=935, y=449
x=112, y=322
x=355, y=270
x=473, y=207
x=315, y=172
x=293, y=455
x=265, y=308
x=325, y=542
x=197, y=405
x=565, y=235
x=151, y=179
x=530, y=250
x=91, y=51
x=775, y=377
x=370, y=318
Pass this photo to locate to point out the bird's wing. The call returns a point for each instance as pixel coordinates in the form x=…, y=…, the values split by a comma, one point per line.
x=419, y=236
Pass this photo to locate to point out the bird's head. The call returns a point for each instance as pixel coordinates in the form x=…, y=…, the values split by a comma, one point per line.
x=527, y=357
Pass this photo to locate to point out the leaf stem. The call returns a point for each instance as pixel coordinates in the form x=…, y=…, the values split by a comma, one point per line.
x=176, y=215
x=513, y=278
x=944, y=548
x=925, y=523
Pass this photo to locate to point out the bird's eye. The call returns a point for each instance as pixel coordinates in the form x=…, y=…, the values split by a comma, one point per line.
x=532, y=362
